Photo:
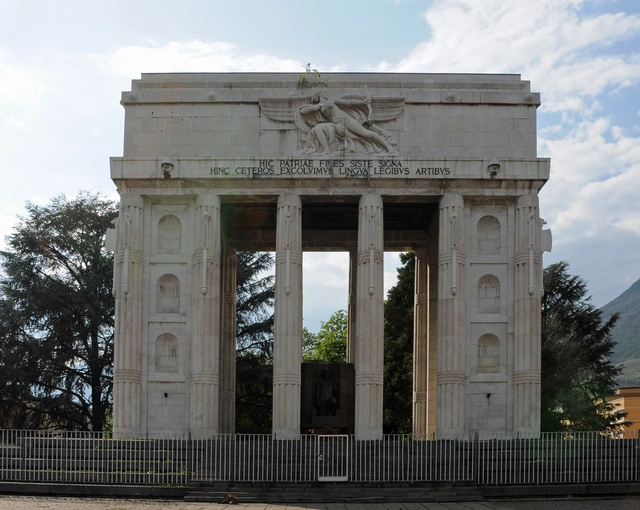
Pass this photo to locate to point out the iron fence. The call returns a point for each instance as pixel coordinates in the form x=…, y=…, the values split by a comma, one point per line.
x=547, y=458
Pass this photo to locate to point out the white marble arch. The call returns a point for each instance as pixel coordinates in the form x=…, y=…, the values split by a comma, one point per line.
x=464, y=145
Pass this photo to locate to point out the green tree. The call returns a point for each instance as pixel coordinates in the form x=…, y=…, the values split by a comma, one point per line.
x=577, y=371
x=56, y=316
x=254, y=342
x=398, y=350
x=329, y=344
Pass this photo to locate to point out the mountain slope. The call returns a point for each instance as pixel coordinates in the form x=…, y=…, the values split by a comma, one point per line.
x=627, y=330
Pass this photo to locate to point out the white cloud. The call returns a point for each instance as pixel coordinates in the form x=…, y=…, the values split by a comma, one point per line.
x=545, y=40
x=21, y=94
x=593, y=186
x=193, y=56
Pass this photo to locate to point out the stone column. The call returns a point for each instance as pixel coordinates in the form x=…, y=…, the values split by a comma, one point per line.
x=228, y=344
x=351, y=306
x=369, y=319
x=432, y=334
x=205, y=339
x=287, y=351
x=420, y=341
x=527, y=320
x=451, y=318
x=128, y=291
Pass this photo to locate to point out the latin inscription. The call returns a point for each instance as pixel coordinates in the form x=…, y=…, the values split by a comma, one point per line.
x=347, y=168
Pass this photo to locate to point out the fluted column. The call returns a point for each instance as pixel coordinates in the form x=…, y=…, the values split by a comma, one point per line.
x=287, y=351
x=527, y=320
x=351, y=306
x=369, y=319
x=228, y=344
x=420, y=341
x=128, y=291
x=432, y=334
x=205, y=339
x=451, y=317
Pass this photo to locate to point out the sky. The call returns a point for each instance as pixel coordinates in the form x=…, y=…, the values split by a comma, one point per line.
x=64, y=64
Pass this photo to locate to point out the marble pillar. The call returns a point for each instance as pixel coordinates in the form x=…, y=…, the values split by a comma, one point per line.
x=287, y=351
x=228, y=343
x=432, y=333
x=128, y=291
x=420, y=342
x=451, y=318
x=527, y=320
x=351, y=306
x=369, y=356
x=205, y=339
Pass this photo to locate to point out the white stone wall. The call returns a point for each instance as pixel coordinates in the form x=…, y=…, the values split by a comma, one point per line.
x=463, y=116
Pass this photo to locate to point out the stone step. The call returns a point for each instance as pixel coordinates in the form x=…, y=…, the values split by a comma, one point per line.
x=339, y=492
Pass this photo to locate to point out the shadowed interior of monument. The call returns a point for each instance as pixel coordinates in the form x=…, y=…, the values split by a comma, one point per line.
x=329, y=223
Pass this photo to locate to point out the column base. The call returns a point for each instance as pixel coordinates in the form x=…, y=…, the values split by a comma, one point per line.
x=368, y=435
x=284, y=434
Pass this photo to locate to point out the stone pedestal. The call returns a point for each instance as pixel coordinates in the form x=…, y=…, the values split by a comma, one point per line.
x=128, y=290
x=527, y=321
x=287, y=351
x=228, y=344
x=205, y=339
x=369, y=319
x=451, y=318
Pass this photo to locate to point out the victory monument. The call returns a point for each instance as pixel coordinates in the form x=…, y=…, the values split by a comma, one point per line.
x=444, y=165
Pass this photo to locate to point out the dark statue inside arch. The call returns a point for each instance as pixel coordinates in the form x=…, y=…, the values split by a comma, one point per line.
x=327, y=398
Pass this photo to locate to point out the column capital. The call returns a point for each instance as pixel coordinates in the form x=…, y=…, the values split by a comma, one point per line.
x=452, y=199
x=527, y=201
x=289, y=199
x=208, y=199
x=371, y=200
x=131, y=200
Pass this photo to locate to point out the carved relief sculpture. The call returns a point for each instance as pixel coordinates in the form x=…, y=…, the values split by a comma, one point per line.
x=167, y=353
x=342, y=125
x=488, y=294
x=339, y=127
x=168, y=294
x=488, y=354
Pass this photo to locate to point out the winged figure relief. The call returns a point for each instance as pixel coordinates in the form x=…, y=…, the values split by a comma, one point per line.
x=339, y=127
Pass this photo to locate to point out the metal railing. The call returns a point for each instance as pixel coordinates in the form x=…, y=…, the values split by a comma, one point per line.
x=86, y=457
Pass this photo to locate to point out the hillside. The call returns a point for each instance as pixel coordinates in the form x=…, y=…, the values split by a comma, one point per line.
x=627, y=330
x=630, y=375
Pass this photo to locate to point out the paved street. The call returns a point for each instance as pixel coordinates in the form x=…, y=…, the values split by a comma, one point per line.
x=48, y=503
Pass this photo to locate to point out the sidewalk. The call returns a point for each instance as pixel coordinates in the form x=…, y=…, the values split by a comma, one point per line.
x=48, y=503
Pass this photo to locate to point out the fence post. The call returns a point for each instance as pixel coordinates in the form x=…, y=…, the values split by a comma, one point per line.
x=23, y=460
x=190, y=467
x=476, y=454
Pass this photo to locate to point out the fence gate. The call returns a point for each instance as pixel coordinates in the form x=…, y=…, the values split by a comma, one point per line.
x=333, y=458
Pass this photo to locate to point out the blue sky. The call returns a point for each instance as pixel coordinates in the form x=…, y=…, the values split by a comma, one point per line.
x=63, y=65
